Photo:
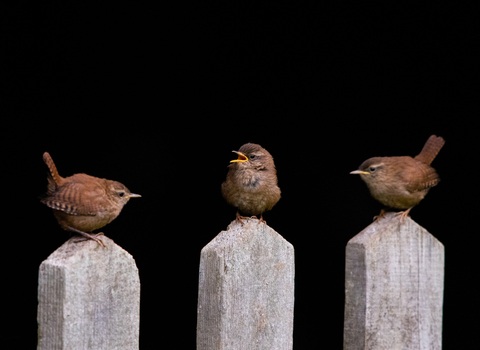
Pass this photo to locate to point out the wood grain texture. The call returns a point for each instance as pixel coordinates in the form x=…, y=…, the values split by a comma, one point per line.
x=89, y=298
x=394, y=287
x=246, y=290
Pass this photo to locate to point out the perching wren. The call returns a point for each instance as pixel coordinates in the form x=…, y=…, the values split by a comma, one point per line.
x=251, y=184
x=402, y=182
x=82, y=203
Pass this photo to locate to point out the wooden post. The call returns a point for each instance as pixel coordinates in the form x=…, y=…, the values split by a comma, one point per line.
x=393, y=287
x=246, y=290
x=89, y=298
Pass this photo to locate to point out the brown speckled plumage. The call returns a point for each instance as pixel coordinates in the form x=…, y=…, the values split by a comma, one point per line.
x=82, y=203
x=402, y=182
x=251, y=185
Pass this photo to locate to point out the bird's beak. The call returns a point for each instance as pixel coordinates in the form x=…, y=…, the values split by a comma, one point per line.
x=133, y=195
x=360, y=172
x=241, y=158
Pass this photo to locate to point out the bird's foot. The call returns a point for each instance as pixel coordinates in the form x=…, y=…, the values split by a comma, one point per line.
x=403, y=214
x=239, y=218
x=260, y=220
x=86, y=236
x=380, y=216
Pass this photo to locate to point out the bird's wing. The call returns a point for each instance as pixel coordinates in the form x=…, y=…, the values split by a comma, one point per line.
x=76, y=199
x=425, y=177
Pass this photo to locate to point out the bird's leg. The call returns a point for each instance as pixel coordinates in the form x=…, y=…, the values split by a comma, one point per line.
x=381, y=215
x=404, y=214
x=87, y=236
x=239, y=218
x=261, y=220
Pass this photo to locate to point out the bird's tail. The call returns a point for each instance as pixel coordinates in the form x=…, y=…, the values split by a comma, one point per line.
x=433, y=145
x=53, y=177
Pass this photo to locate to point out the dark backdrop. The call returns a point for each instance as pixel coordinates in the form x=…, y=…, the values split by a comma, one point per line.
x=158, y=97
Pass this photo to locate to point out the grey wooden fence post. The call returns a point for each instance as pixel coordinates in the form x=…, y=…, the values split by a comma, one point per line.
x=89, y=298
x=246, y=290
x=393, y=287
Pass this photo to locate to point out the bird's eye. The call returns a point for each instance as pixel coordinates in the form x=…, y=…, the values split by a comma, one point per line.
x=121, y=194
x=372, y=168
x=252, y=156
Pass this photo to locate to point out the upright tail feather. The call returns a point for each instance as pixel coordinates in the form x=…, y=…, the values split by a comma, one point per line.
x=433, y=145
x=54, y=179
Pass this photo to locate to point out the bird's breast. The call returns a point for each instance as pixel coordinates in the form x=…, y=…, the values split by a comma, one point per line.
x=395, y=195
x=251, y=182
x=86, y=223
x=248, y=179
x=251, y=191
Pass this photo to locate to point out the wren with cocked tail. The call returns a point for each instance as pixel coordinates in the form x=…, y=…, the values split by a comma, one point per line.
x=82, y=203
x=402, y=182
x=251, y=185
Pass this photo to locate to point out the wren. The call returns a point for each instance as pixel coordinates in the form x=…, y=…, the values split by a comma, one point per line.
x=82, y=203
x=251, y=184
x=402, y=182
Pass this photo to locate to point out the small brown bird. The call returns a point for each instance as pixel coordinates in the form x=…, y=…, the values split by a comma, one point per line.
x=251, y=184
x=401, y=182
x=82, y=203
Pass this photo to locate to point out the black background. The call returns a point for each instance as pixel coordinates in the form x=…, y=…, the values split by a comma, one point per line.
x=157, y=97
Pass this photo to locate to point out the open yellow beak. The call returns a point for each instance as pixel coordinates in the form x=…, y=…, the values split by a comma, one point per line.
x=359, y=172
x=241, y=158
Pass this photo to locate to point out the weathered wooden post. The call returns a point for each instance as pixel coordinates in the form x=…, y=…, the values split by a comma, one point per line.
x=393, y=287
x=89, y=298
x=246, y=290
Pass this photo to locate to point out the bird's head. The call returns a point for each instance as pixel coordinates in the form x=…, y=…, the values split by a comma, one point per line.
x=120, y=193
x=372, y=170
x=251, y=155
